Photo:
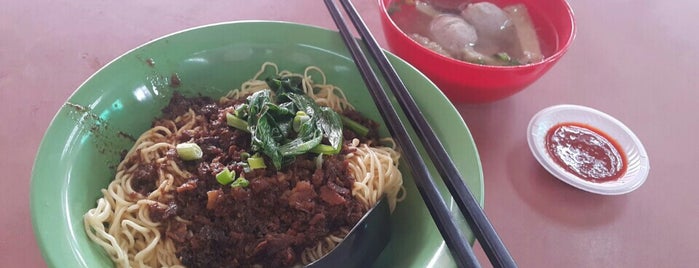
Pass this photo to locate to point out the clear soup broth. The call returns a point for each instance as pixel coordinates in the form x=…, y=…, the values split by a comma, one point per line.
x=414, y=20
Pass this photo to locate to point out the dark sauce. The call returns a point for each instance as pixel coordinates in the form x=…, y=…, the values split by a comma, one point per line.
x=586, y=152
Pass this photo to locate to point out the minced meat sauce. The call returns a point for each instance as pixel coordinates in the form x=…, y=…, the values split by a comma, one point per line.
x=268, y=223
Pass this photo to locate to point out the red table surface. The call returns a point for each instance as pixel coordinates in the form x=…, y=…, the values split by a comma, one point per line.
x=635, y=60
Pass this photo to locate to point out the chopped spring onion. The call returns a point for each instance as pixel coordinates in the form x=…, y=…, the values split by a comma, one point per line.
x=256, y=161
x=236, y=122
x=244, y=156
x=225, y=176
x=503, y=56
x=189, y=151
x=355, y=126
x=240, y=182
x=325, y=149
x=301, y=117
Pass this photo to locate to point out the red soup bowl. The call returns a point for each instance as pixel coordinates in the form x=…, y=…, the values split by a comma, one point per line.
x=466, y=82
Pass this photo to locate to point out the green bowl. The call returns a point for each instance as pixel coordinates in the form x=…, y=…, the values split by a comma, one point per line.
x=82, y=146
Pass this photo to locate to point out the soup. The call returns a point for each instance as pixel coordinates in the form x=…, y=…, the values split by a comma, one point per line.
x=476, y=32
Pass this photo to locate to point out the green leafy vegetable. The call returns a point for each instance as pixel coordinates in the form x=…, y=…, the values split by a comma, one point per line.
x=323, y=149
x=269, y=125
x=236, y=122
x=241, y=111
x=355, y=126
x=324, y=118
x=284, y=122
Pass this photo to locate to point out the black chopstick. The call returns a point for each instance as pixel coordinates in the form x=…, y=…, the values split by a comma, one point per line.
x=454, y=238
x=482, y=228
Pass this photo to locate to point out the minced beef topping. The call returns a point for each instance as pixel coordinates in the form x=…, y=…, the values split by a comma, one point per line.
x=268, y=223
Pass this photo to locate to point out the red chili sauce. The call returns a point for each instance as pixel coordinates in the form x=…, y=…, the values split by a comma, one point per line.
x=586, y=152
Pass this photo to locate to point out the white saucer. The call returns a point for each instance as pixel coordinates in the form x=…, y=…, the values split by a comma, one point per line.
x=638, y=165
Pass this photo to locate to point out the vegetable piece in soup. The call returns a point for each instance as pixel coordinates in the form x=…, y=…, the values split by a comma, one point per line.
x=527, y=40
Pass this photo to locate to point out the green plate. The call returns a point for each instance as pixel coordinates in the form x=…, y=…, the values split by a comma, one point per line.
x=82, y=146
